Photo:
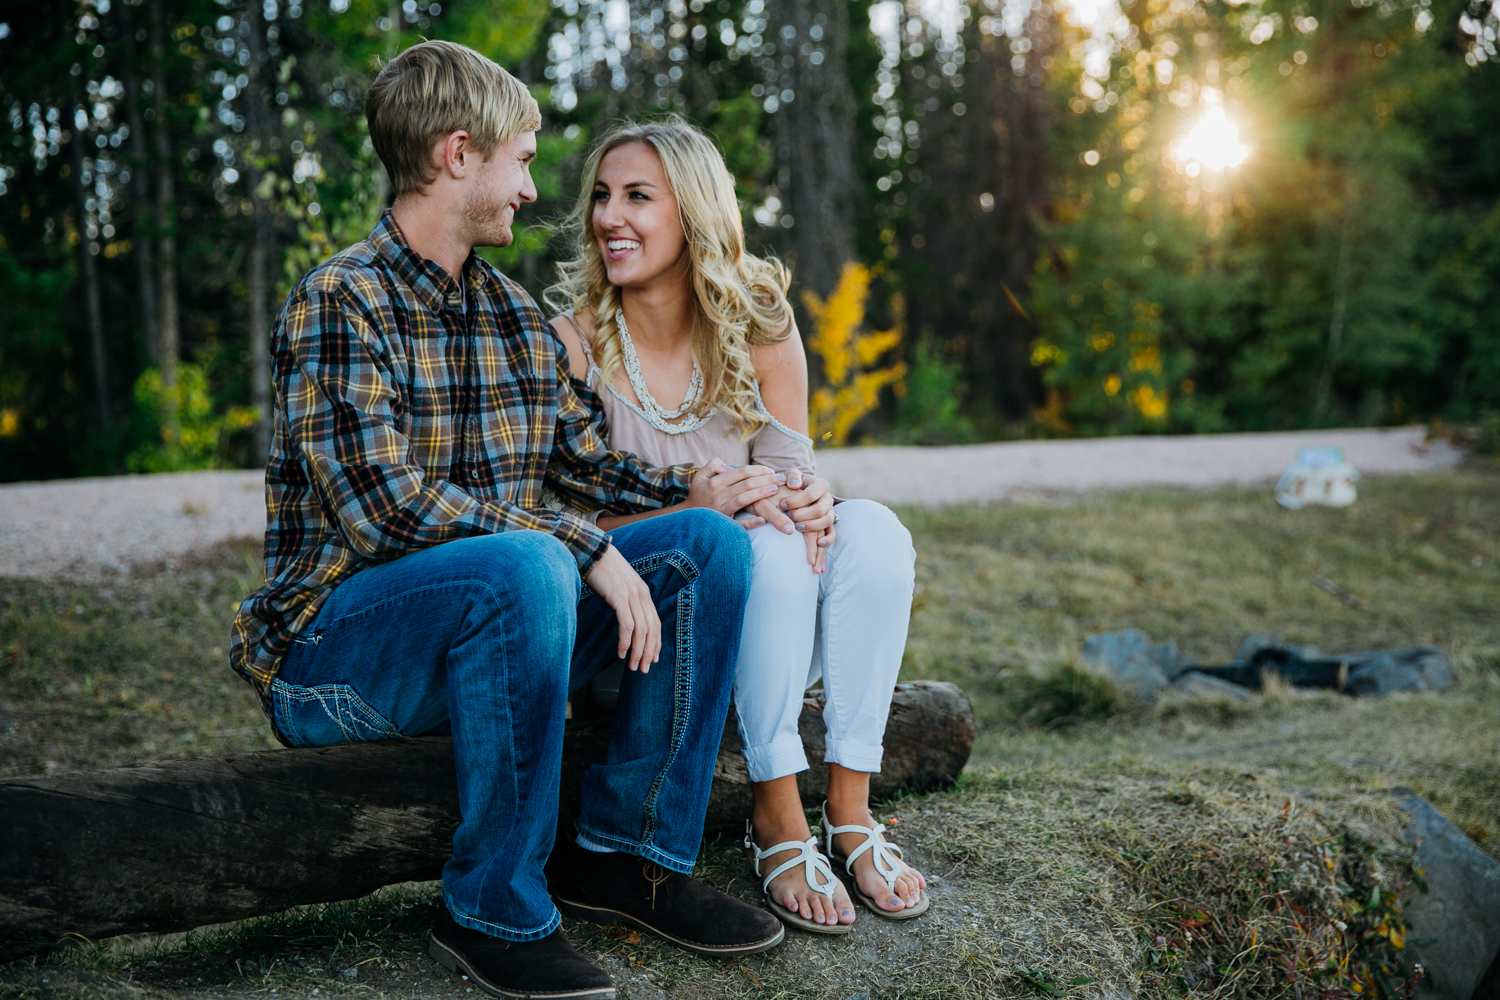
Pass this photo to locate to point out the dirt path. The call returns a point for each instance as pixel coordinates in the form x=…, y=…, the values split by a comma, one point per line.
x=986, y=473
x=87, y=526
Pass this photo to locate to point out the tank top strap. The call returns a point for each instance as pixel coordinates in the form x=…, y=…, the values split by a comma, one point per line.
x=590, y=368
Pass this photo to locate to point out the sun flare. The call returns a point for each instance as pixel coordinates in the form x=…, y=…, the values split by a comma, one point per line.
x=1213, y=142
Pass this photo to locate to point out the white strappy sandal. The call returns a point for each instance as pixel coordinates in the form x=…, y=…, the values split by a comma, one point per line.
x=883, y=855
x=816, y=865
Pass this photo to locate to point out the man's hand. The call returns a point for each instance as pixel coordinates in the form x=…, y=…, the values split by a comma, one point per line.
x=622, y=588
x=728, y=491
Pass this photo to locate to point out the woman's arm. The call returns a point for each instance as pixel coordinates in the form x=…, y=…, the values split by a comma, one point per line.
x=781, y=370
x=573, y=357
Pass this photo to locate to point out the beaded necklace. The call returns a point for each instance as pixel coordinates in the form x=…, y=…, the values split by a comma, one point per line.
x=655, y=414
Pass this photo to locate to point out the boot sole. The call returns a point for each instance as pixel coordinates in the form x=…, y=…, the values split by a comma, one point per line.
x=455, y=963
x=605, y=915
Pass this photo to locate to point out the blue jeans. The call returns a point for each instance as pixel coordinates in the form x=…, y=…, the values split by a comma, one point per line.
x=488, y=636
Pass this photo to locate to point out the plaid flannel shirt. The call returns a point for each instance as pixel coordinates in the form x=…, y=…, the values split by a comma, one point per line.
x=408, y=413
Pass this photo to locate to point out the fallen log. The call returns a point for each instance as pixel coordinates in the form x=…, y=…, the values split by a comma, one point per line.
x=179, y=844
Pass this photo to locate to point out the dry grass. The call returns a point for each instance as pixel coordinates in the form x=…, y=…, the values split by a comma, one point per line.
x=135, y=668
x=1094, y=849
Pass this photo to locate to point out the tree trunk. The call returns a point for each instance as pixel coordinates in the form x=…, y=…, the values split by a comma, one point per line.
x=166, y=228
x=818, y=177
x=262, y=237
x=175, y=845
x=140, y=191
x=986, y=180
x=88, y=276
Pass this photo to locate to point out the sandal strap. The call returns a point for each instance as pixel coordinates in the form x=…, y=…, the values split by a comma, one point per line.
x=808, y=855
x=882, y=851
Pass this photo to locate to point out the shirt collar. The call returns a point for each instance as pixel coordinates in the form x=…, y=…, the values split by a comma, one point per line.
x=435, y=287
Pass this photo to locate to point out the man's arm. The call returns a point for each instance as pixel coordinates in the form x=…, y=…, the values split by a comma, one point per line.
x=583, y=468
x=338, y=397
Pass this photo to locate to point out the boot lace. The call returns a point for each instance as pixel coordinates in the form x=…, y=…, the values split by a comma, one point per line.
x=656, y=875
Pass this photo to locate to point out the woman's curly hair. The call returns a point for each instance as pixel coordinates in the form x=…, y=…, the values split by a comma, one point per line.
x=740, y=299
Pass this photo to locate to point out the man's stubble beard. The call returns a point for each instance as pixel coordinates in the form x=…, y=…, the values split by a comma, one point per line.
x=483, y=218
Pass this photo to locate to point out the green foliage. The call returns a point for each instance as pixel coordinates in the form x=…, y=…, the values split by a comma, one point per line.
x=505, y=30
x=1489, y=435
x=1347, y=272
x=190, y=431
x=929, y=401
x=1340, y=275
x=1064, y=696
x=36, y=380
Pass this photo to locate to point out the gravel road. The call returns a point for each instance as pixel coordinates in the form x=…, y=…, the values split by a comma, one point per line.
x=88, y=526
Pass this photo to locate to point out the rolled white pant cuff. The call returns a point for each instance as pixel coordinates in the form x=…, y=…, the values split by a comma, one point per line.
x=776, y=759
x=854, y=756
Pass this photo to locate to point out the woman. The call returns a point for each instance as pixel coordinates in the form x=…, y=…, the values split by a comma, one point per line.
x=662, y=304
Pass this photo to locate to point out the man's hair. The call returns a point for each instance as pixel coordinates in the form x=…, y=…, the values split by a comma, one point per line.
x=432, y=90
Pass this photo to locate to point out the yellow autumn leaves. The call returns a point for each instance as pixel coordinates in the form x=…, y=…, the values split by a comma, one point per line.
x=851, y=382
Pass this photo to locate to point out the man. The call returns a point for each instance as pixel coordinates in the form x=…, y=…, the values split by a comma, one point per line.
x=416, y=582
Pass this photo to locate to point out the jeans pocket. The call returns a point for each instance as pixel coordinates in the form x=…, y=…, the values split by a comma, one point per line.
x=326, y=715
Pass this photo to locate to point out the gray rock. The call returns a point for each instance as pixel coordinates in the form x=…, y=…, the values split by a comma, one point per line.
x=1171, y=660
x=1422, y=668
x=1128, y=659
x=1198, y=685
x=1455, y=925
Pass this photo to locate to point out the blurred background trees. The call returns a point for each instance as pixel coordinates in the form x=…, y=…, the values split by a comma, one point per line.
x=1067, y=216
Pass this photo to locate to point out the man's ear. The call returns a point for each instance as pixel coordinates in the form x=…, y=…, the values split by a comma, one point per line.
x=454, y=154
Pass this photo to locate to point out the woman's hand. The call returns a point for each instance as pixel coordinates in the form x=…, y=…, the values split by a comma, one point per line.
x=730, y=490
x=807, y=502
x=818, y=543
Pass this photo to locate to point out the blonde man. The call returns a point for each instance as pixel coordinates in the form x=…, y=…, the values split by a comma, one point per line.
x=416, y=582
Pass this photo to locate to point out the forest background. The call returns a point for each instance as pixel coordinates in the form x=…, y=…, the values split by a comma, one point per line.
x=1005, y=217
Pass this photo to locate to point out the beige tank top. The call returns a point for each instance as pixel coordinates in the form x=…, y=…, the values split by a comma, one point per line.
x=776, y=446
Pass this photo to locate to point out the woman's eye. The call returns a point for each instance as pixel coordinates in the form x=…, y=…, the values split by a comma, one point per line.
x=639, y=196
x=601, y=196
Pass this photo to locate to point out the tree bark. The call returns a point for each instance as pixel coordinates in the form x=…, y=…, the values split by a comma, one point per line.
x=88, y=276
x=140, y=192
x=166, y=227
x=175, y=845
x=818, y=177
x=262, y=237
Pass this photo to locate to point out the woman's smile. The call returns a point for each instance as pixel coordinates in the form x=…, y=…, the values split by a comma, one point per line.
x=619, y=248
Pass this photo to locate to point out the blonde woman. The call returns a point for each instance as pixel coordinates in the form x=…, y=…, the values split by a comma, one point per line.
x=689, y=343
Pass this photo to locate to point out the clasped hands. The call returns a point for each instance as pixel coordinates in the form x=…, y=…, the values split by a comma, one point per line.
x=791, y=502
x=751, y=494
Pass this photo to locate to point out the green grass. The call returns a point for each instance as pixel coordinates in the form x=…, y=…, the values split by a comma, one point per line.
x=133, y=668
x=1094, y=842
x=1007, y=594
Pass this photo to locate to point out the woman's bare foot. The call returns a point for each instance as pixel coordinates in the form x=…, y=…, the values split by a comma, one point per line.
x=774, y=820
x=849, y=804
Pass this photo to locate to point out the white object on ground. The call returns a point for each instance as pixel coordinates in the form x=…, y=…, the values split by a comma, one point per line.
x=1319, y=476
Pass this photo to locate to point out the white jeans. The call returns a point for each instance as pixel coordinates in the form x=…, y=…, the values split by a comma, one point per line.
x=847, y=626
